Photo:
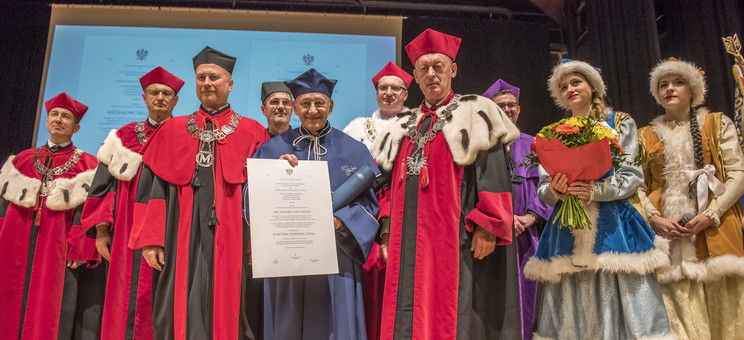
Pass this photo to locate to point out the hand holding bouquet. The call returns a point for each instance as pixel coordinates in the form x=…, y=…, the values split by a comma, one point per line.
x=582, y=149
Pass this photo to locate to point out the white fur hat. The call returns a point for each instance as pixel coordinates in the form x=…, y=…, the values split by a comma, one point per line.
x=687, y=70
x=574, y=66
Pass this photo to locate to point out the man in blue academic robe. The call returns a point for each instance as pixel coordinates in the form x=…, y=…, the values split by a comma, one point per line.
x=323, y=306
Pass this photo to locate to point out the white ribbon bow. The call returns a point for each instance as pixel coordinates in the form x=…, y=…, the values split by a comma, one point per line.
x=706, y=179
x=316, y=148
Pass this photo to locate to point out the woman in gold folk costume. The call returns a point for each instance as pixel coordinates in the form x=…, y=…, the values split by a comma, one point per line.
x=694, y=165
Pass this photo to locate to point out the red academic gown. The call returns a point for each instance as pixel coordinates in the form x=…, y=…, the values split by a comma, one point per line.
x=38, y=234
x=373, y=284
x=127, y=312
x=205, y=289
x=434, y=288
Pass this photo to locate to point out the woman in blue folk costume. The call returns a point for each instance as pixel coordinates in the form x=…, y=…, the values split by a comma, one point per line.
x=598, y=282
x=328, y=307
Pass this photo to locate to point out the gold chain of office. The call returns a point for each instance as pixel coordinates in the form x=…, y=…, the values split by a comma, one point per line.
x=208, y=136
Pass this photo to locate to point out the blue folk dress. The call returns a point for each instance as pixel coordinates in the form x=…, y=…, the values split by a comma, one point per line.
x=600, y=282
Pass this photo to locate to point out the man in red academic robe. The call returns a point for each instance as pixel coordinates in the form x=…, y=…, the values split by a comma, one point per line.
x=127, y=312
x=50, y=288
x=188, y=214
x=447, y=217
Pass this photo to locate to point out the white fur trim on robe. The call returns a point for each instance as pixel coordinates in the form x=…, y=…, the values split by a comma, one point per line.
x=18, y=188
x=477, y=124
x=652, y=337
x=584, y=257
x=685, y=265
x=68, y=193
x=122, y=163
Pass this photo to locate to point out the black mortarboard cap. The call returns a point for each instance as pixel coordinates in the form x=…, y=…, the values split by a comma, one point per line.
x=269, y=87
x=211, y=56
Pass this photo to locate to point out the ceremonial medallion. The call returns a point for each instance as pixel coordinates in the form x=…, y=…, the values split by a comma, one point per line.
x=415, y=163
x=207, y=136
x=204, y=158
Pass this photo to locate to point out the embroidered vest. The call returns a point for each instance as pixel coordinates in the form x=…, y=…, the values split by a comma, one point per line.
x=711, y=242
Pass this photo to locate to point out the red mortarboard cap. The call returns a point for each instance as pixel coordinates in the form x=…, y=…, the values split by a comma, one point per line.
x=393, y=70
x=160, y=75
x=65, y=101
x=432, y=41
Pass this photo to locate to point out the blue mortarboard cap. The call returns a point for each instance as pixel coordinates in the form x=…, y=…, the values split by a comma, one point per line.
x=311, y=81
x=499, y=86
x=209, y=55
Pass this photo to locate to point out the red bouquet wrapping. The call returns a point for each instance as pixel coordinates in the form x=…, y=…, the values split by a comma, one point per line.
x=587, y=163
x=582, y=149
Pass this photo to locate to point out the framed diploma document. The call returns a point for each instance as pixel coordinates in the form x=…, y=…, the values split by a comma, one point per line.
x=291, y=218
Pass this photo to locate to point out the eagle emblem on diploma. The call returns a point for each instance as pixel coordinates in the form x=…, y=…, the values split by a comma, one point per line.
x=289, y=171
x=308, y=59
x=141, y=54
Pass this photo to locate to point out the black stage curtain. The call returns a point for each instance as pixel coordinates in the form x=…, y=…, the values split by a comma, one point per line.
x=692, y=30
x=621, y=39
x=24, y=26
x=517, y=52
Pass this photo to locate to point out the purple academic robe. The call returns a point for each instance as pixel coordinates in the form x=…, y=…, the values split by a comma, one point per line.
x=525, y=199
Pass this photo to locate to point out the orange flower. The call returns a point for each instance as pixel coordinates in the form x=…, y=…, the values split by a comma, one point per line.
x=614, y=142
x=566, y=129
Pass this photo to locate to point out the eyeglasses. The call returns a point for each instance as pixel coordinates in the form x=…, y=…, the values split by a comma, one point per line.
x=394, y=88
x=276, y=102
x=319, y=104
x=505, y=105
x=155, y=93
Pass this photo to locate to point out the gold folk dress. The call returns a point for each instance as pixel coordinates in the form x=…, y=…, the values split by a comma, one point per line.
x=703, y=288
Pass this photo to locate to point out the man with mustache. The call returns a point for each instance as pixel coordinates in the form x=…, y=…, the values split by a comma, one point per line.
x=188, y=219
x=276, y=105
x=109, y=209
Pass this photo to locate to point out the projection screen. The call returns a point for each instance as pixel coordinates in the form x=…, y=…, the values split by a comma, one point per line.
x=97, y=53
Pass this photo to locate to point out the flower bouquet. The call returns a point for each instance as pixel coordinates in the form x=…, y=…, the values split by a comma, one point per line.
x=581, y=148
